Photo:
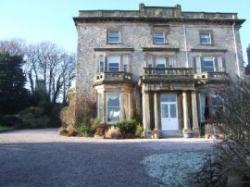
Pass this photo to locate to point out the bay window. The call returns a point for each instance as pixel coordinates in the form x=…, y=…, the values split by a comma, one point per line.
x=113, y=107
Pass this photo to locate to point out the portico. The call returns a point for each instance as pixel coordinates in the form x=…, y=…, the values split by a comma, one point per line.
x=170, y=105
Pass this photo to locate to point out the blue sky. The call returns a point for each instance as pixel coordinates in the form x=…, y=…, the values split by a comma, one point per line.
x=51, y=20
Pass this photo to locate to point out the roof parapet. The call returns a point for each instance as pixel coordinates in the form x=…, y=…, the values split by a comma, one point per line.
x=156, y=12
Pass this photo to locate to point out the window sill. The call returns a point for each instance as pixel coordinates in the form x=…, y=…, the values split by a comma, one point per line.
x=114, y=43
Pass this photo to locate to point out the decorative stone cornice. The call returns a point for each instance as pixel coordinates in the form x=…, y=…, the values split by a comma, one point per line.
x=156, y=14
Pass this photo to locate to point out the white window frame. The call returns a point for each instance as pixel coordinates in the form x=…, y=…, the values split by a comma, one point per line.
x=162, y=37
x=125, y=61
x=101, y=59
x=172, y=61
x=118, y=61
x=109, y=36
x=99, y=105
x=220, y=63
x=107, y=107
x=157, y=62
x=210, y=38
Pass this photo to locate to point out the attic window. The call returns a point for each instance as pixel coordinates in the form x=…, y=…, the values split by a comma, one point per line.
x=205, y=38
x=114, y=37
x=159, y=37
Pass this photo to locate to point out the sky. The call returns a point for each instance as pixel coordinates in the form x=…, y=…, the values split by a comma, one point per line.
x=51, y=20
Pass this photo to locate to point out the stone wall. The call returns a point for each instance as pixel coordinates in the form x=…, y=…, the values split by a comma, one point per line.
x=138, y=35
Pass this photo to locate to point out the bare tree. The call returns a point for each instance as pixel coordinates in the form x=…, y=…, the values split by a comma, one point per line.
x=53, y=66
x=14, y=47
x=47, y=67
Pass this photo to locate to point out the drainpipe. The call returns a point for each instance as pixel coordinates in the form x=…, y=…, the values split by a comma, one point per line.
x=199, y=96
x=236, y=50
x=185, y=44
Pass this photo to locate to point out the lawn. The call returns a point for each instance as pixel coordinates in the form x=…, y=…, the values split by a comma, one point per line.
x=5, y=128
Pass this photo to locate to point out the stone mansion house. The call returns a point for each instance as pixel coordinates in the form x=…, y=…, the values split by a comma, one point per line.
x=162, y=64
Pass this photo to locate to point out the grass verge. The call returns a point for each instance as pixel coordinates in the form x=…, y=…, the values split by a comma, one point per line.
x=5, y=128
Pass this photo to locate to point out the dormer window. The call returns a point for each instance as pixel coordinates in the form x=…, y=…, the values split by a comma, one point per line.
x=159, y=37
x=114, y=37
x=205, y=38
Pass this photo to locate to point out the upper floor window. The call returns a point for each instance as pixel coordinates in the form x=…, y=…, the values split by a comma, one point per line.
x=125, y=63
x=159, y=37
x=205, y=38
x=113, y=63
x=114, y=37
x=160, y=63
x=207, y=64
x=101, y=64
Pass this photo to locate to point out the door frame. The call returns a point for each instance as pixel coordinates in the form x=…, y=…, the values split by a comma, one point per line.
x=177, y=110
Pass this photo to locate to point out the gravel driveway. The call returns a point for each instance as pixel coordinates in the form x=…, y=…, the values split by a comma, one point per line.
x=43, y=158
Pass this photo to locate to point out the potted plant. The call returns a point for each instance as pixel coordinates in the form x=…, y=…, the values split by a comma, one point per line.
x=187, y=133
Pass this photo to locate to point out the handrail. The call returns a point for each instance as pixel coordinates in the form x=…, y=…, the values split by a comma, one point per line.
x=168, y=71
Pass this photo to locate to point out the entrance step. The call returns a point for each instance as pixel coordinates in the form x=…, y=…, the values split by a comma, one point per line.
x=171, y=133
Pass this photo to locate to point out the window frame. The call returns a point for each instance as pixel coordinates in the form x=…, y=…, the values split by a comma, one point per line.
x=125, y=61
x=210, y=34
x=159, y=62
x=107, y=107
x=163, y=37
x=101, y=59
x=118, y=37
x=203, y=60
x=108, y=62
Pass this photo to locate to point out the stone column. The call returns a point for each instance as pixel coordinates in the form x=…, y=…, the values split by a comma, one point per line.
x=145, y=113
x=185, y=109
x=156, y=111
x=194, y=113
x=122, y=109
x=104, y=107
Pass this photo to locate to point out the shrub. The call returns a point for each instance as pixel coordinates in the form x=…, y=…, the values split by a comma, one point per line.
x=100, y=131
x=34, y=117
x=82, y=129
x=113, y=133
x=127, y=126
x=35, y=111
x=139, y=131
x=94, y=124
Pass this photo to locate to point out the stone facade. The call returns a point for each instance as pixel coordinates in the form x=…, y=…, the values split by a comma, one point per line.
x=182, y=46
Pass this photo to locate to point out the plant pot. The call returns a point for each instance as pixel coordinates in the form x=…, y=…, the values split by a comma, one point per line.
x=187, y=134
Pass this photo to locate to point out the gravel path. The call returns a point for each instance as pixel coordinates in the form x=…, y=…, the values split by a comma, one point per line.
x=43, y=158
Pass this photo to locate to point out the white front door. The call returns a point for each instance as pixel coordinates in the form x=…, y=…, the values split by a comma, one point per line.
x=169, y=112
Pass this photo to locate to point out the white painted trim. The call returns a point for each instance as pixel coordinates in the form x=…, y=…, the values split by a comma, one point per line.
x=119, y=61
x=106, y=102
x=99, y=61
